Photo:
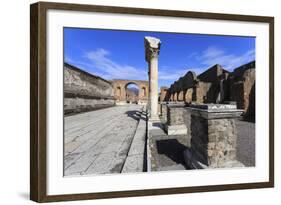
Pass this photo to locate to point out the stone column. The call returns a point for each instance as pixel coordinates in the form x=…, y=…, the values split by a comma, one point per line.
x=148, y=99
x=152, y=48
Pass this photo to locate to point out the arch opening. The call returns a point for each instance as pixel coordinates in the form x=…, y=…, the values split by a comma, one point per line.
x=132, y=93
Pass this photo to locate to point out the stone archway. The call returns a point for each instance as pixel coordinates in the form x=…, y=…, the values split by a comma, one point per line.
x=121, y=92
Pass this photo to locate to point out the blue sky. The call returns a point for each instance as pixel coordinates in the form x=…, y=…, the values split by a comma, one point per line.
x=115, y=54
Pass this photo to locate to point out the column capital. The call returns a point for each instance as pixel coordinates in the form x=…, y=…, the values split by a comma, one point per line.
x=152, y=47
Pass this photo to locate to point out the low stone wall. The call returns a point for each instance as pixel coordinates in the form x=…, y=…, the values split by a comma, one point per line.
x=76, y=105
x=84, y=91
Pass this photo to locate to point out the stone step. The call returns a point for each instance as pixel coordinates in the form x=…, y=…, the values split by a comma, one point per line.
x=135, y=159
x=172, y=168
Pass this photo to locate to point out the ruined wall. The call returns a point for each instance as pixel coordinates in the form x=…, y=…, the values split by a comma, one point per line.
x=201, y=91
x=188, y=95
x=164, y=94
x=204, y=88
x=182, y=90
x=213, y=88
x=84, y=91
x=250, y=112
x=216, y=85
x=212, y=74
x=242, y=88
x=121, y=94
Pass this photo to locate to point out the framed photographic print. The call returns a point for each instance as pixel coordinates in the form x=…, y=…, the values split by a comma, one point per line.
x=134, y=102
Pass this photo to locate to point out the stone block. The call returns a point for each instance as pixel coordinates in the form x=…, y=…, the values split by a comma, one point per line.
x=163, y=110
x=176, y=129
x=175, y=119
x=175, y=113
x=213, y=135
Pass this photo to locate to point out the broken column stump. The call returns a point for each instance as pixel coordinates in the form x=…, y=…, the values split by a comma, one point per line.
x=213, y=136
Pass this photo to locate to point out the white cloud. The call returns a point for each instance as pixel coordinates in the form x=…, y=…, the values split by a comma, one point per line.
x=213, y=55
x=68, y=59
x=191, y=55
x=100, y=59
x=212, y=52
x=101, y=63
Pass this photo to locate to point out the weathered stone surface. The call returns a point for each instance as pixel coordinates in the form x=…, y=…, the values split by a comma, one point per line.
x=136, y=155
x=84, y=91
x=215, y=111
x=213, y=136
x=175, y=119
x=188, y=95
x=175, y=114
x=246, y=142
x=200, y=92
x=163, y=112
x=99, y=141
x=121, y=93
x=163, y=94
x=166, y=152
x=215, y=107
x=242, y=88
x=217, y=85
x=134, y=163
x=176, y=129
x=152, y=49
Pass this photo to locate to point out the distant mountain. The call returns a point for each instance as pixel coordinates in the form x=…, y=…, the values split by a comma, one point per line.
x=134, y=90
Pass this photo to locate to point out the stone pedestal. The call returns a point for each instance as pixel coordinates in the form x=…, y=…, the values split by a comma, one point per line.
x=213, y=136
x=152, y=48
x=163, y=111
x=175, y=119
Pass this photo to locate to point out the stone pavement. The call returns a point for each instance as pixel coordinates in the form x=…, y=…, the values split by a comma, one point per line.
x=246, y=142
x=98, y=142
